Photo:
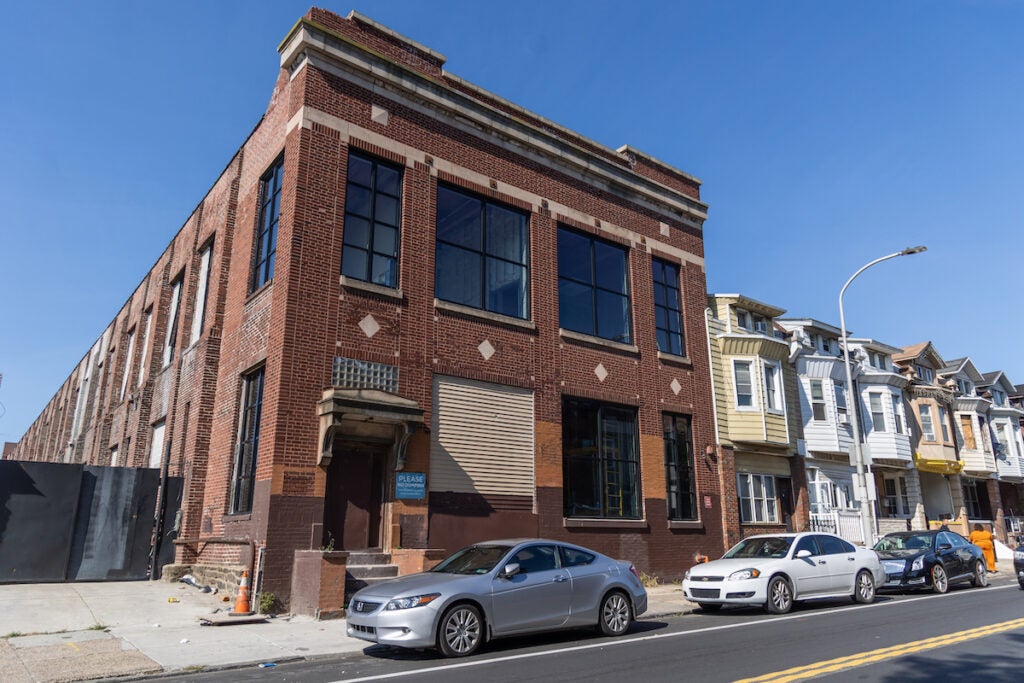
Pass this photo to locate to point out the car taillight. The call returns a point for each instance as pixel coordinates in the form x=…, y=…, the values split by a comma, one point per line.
x=634, y=572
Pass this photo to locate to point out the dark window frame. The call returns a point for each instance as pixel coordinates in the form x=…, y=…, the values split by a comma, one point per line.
x=265, y=240
x=625, y=336
x=373, y=249
x=247, y=447
x=591, y=455
x=666, y=282
x=483, y=254
x=680, y=490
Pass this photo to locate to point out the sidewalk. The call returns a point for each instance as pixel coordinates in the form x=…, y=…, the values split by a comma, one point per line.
x=85, y=631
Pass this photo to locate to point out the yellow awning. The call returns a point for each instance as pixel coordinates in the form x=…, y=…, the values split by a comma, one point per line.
x=937, y=465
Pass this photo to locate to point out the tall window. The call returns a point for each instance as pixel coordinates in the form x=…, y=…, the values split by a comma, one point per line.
x=668, y=308
x=248, y=442
x=482, y=254
x=156, y=444
x=877, y=413
x=679, y=475
x=373, y=210
x=128, y=356
x=998, y=397
x=266, y=230
x=897, y=412
x=817, y=400
x=927, y=428
x=971, y=501
x=773, y=386
x=967, y=429
x=756, y=494
x=966, y=388
x=741, y=372
x=897, y=502
x=944, y=424
x=742, y=319
x=172, y=324
x=601, y=460
x=593, y=287
x=840, y=389
x=147, y=328
x=199, y=307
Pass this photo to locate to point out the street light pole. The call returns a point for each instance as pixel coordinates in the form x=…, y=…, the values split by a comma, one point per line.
x=866, y=512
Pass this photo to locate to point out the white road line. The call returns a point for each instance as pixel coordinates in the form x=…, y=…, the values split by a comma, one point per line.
x=655, y=636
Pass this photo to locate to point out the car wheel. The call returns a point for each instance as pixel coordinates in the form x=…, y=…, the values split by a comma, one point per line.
x=864, y=588
x=940, y=582
x=616, y=614
x=709, y=606
x=460, y=631
x=780, y=596
x=980, y=578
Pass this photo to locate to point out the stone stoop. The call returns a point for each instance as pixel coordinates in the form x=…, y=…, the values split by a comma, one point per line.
x=365, y=568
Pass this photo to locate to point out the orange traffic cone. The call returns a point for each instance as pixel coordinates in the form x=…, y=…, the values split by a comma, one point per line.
x=242, y=601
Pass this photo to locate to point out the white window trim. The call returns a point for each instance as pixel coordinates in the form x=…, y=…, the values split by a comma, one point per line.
x=172, y=317
x=145, y=347
x=770, y=517
x=199, y=307
x=780, y=391
x=931, y=420
x=129, y=352
x=811, y=400
x=754, y=381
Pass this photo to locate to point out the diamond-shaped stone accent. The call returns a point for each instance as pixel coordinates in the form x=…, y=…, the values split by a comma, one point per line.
x=379, y=115
x=485, y=349
x=600, y=372
x=369, y=326
x=676, y=387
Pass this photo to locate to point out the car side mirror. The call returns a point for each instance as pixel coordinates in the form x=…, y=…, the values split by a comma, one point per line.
x=509, y=570
x=802, y=554
x=945, y=546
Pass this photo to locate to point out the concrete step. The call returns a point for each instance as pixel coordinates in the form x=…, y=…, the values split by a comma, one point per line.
x=372, y=571
x=364, y=557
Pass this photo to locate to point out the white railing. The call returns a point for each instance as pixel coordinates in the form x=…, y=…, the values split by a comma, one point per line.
x=843, y=523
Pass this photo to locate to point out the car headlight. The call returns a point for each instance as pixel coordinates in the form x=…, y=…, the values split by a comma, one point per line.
x=414, y=601
x=918, y=564
x=687, y=574
x=1018, y=554
x=744, y=574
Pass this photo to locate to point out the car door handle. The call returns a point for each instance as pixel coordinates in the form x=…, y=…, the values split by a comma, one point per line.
x=821, y=561
x=852, y=559
x=560, y=579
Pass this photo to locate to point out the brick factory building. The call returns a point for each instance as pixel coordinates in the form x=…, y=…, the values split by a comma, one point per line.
x=412, y=315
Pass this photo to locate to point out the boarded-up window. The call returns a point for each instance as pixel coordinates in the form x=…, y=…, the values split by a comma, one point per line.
x=481, y=438
x=967, y=427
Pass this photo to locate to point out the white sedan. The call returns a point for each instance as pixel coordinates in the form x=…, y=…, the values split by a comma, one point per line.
x=777, y=570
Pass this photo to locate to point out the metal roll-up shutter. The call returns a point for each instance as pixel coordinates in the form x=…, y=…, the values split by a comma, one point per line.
x=482, y=438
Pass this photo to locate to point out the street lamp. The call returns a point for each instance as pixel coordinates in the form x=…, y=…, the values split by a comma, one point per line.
x=866, y=512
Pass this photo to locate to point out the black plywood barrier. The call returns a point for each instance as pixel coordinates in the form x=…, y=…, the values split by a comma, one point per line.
x=65, y=522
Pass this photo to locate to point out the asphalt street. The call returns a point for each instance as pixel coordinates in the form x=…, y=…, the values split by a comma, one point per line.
x=971, y=634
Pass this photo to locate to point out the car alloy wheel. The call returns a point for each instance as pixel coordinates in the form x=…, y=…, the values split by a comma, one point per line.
x=460, y=631
x=780, y=596
x=615, y=614
x=864, y=588
x=980, y=578
x=940, y=582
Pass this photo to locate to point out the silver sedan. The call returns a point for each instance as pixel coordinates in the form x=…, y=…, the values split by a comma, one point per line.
x=496, y=589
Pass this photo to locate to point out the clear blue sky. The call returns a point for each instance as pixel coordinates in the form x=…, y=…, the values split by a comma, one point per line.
x=826, y=134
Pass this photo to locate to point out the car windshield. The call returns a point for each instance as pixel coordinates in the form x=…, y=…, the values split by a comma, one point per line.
x=476, y=559
x=762, y=546
x=912, y=542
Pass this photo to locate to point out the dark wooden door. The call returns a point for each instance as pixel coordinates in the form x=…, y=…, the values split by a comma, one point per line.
x=355, y=494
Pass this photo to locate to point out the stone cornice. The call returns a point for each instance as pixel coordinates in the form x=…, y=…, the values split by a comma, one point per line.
x=309, y=42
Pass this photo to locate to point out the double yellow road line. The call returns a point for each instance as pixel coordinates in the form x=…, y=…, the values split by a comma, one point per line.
x=850, y=661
